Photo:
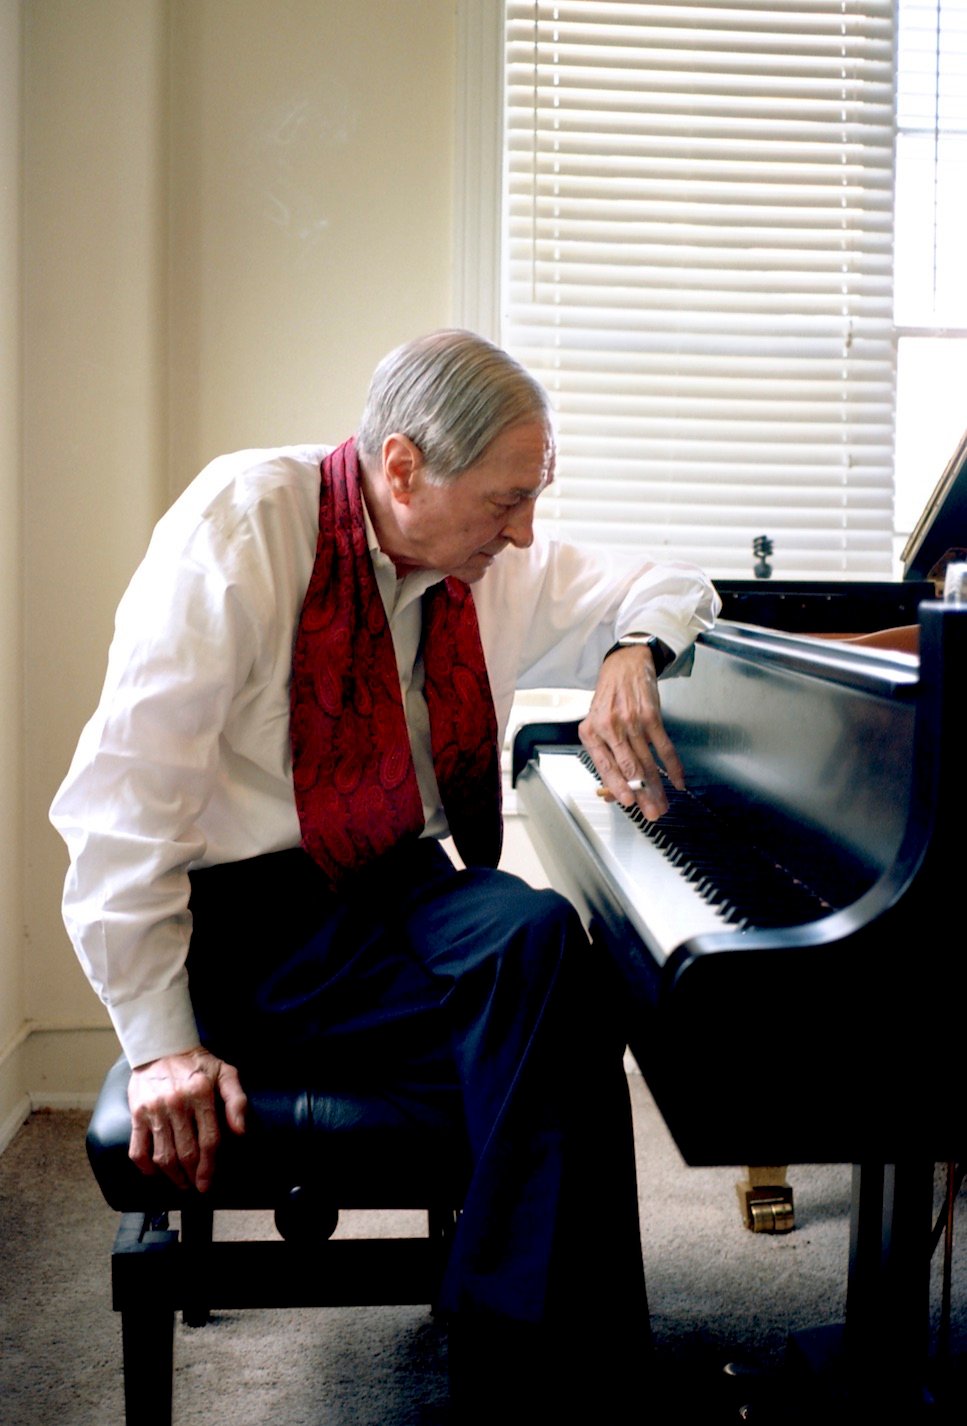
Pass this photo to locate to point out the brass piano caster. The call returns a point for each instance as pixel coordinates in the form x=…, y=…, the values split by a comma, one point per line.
x=765, y=1199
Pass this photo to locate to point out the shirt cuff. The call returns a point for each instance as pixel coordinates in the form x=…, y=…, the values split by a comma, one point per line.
x=683, y=658
x=160, y=1023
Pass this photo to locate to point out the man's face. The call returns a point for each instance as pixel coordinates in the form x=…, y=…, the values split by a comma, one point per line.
x=461, y=527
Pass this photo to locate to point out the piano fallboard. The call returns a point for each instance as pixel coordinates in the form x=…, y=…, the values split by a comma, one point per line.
x=831, y=1034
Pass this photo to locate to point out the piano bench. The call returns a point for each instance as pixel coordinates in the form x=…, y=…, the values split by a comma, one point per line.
x=305, y=1154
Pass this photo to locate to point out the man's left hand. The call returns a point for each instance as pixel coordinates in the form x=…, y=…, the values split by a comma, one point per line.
x=174, y=1123
x=623, y=731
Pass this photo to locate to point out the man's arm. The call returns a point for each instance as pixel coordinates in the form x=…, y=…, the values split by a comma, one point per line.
x=199, y=668
x=129, y=811
x=549, y=614
x=188, y=745
x=578, y=603
x=143, y=772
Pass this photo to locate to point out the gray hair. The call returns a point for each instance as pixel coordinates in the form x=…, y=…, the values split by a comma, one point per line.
x=451, y=393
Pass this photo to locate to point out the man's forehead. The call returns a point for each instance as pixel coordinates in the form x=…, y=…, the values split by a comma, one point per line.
x=525, y=484
x=533, y=488
x=527, y=471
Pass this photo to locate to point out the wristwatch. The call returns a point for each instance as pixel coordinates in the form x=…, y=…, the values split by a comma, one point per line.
x=662, y=655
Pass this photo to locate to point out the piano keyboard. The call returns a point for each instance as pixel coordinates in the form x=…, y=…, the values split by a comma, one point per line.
x=684, y=875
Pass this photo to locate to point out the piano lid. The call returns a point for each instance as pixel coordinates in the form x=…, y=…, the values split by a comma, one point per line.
x=940, y=536
x=823, y=606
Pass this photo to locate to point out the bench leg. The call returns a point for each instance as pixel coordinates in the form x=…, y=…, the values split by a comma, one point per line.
x=147, y=1336
x=142, y=1269
x=197, y=1226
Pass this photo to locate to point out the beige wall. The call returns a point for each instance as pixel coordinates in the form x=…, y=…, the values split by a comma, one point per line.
x=321, y=137
x=11, y=639
x=231, y=209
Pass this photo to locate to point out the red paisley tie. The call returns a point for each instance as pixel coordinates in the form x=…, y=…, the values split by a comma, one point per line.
x=355, y=784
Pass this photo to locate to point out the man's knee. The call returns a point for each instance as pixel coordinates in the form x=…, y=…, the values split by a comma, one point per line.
x=529, y=940
x=520, y=905
x=533, y=922
x=491, y=929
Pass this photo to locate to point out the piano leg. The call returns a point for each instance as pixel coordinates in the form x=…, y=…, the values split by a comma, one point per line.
x=880, y=1358
x=765, y=1199
x=888, y=1296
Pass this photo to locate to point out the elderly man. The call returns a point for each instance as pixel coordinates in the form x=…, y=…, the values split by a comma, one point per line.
x=310, y=679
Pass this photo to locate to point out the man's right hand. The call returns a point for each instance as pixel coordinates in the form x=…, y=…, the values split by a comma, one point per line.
x=174, y=1123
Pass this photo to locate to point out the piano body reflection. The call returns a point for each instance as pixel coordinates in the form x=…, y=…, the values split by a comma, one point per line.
x=790, y=938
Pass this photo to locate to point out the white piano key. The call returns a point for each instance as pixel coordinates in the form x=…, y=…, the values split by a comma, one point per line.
x=666, y=907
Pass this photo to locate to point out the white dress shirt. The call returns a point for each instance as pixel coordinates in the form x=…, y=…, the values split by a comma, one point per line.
x=186, y=762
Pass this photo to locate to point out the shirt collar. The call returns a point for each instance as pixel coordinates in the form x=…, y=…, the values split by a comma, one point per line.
x=413, y=585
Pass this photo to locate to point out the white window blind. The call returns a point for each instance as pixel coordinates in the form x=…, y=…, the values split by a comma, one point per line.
x=930, y=277
x=931, y=164
x=698, y=232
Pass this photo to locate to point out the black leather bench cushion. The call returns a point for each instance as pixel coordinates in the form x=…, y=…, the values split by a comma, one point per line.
x=364, y=1150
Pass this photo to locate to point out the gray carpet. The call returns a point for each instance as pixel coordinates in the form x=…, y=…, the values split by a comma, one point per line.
x=718, y=1293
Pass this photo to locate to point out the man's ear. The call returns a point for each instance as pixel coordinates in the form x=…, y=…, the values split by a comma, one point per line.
x=402, y=462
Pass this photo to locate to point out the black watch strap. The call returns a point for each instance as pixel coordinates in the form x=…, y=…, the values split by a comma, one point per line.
x=662, y=655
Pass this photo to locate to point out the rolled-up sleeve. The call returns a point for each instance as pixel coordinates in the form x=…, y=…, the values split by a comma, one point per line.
x=550, y=613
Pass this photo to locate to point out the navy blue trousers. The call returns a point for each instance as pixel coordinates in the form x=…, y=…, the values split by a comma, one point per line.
x=422, y=977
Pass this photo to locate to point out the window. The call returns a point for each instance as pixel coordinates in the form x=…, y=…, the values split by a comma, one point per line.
x=698, y=215
x=672, y=69
x=931, y=218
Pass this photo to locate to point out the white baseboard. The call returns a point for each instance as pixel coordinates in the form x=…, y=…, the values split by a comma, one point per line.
x=51, y=1067
x=14, y=1121
x=64, y=1099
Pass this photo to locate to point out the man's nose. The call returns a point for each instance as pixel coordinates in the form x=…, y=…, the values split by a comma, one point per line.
x=519, y=525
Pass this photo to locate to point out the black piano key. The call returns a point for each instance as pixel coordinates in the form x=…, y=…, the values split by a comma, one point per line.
x=748, y=886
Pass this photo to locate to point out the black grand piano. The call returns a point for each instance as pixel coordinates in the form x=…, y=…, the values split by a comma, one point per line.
x=808, y=870
x=803, y=895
